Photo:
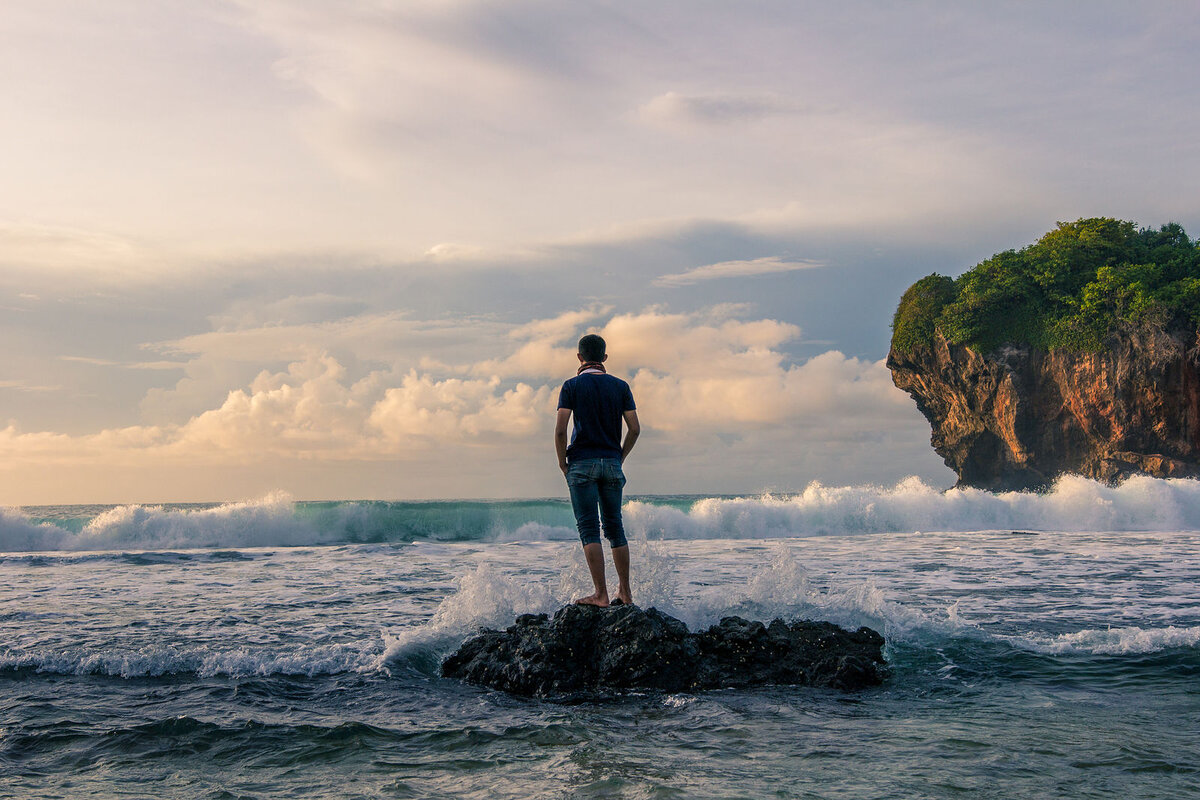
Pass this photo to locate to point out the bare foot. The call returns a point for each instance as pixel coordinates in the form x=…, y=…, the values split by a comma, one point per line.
x=597, y=599
x=625, y=597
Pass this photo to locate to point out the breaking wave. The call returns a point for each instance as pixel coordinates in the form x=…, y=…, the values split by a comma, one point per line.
x=1074, y=504
x=203, y=662
x=1118, y=641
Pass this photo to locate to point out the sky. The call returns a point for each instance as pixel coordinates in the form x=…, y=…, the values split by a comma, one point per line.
x=344, y=249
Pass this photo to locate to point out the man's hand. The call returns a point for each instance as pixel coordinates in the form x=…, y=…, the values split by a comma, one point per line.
x=631, y=435
x=560, y=437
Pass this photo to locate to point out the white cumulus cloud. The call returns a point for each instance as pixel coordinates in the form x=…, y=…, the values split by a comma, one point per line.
x=709, y=384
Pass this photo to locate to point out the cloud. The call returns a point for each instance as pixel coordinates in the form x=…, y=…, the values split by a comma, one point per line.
x=441, y=127
x=717, y=108
x=104, y=362
x=734, y=269
x=373, y=336
x=451, y=251
x=25, y=386
x=706, y=382
x=293, y=309
x=479, y=412
x=59, y=249
x=517, y=123
x=545, y=347
x=252, y=186
x=654, y=339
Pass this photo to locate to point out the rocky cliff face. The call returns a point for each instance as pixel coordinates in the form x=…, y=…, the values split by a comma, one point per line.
x=1018, y=418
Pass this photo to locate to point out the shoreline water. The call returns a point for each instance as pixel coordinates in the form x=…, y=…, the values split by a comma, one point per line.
x=1025, y=661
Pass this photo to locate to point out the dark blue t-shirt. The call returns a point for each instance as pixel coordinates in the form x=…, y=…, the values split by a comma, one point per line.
x=598, y=403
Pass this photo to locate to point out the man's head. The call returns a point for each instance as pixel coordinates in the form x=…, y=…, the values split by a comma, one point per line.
x=592, y=348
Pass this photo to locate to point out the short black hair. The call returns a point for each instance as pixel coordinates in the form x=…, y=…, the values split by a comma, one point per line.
x=592, y=347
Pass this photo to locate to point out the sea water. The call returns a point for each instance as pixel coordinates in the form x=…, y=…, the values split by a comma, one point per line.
x=1039, y=646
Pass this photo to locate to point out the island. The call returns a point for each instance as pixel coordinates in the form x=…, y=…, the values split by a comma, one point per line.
x=1078, y=354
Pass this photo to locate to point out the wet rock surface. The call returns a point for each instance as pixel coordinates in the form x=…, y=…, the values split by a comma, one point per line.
x=584, y=649
x=1017, y=418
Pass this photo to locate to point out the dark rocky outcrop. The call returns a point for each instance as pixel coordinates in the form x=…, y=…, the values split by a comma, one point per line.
x=584, y=649
x=1017, y=417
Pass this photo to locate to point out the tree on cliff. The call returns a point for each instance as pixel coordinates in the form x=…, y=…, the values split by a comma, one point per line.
x=1077, y=354
x=1068, y=290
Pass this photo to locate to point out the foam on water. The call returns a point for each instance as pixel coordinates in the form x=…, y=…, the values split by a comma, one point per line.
x=782, y=587
x=1074, y=504
x=1117, y=641
x=269, y=521
x=484, y=597
x=488, y=596
x=18, y=534
x=266, y=522
x=537, y=532
x=778, y=586
x=204, y=662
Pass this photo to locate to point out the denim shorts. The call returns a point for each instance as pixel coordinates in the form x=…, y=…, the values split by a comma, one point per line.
x=595, y=485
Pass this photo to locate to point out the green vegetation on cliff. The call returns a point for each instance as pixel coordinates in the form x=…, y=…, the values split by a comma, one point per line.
x=1068, y=290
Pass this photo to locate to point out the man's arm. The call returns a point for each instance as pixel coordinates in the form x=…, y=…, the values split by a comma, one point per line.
x=560, y=437
x=631, y=435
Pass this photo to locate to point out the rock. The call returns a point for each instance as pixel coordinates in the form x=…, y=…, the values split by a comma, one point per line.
x=1017, y=418
x=587, y=649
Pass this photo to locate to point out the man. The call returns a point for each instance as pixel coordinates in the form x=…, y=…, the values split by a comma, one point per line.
x=592, y=463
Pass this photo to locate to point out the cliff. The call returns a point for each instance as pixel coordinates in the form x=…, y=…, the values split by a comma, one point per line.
x=1077, y=353
x=1017, y=416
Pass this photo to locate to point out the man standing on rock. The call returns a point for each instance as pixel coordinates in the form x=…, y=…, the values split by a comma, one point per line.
x=592, y=463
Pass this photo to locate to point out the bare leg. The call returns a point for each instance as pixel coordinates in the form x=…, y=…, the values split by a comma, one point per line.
x=621, y=560
x=594, y=555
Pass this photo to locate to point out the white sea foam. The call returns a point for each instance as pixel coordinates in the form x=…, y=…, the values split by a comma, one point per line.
x=782, y=587
x=484, y=597
x=201, y=661
x=266, y=522
x=537, y=532
x=490, y=597
x=19, y=534
x=1074, y=504
x=1117, y=641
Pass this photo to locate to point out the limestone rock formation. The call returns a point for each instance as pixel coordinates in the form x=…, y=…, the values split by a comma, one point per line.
x=1017, y=418
x=584, y=649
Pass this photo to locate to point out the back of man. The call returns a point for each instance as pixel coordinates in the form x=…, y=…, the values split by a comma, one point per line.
x=592, y=462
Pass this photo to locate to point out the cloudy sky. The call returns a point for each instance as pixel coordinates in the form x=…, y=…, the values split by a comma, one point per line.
x=344, y=249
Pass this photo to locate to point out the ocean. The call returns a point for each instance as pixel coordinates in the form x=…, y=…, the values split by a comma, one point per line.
x=1039, y=646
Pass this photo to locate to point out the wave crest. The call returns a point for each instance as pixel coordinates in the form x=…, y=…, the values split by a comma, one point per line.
x=1119, y=641
x=1074, y=504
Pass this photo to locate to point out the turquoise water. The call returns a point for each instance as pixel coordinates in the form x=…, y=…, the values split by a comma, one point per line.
x=294, y=652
